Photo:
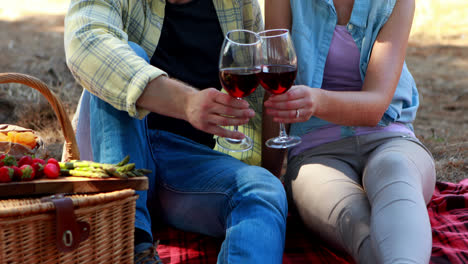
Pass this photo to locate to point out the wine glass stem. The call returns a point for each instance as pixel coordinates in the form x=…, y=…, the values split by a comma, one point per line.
x=236, y=126
x=282, y=133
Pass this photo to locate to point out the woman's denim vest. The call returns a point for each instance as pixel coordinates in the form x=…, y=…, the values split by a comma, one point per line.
x=313, y=25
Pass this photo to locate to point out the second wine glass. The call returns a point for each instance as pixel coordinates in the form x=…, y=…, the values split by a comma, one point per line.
x=239, y=64
x=279, y=69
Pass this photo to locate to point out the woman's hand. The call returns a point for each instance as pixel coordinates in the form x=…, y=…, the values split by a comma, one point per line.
x=297, y=105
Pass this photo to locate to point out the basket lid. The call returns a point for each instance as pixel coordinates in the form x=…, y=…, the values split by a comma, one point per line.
x=30, y=206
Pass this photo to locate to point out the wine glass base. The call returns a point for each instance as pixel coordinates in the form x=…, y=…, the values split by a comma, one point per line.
x=235, y=145
x=283, y=142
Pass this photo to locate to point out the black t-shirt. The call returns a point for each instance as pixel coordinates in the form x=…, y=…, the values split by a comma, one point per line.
x=188, y=50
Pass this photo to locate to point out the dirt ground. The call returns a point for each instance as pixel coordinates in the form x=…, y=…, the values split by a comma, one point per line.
x=31, y=42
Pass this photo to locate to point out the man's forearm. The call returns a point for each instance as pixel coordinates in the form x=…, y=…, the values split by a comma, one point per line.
x=166, y=96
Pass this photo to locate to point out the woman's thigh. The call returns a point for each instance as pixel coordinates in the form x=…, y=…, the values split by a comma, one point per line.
x=399, y=179
x=329, y=198
x=400, y=160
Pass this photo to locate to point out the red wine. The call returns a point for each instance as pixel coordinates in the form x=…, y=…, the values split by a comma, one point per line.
x=239, y=82
x=277, y=79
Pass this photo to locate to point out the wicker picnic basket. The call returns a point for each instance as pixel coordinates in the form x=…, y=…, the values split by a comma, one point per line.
x=73, y=228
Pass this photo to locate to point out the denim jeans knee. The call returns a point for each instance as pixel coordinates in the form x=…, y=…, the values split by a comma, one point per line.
x=258, y=216
x=257, y=183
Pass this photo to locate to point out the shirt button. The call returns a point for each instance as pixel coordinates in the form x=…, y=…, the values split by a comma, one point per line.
x=350, y=27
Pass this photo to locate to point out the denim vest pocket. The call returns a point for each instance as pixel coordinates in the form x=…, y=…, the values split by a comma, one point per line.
x=405, y=101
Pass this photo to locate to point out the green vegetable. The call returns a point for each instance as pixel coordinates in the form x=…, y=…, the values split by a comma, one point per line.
x=83, y=168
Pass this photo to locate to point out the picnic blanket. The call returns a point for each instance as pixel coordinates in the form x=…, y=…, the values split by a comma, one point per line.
x=448, y=212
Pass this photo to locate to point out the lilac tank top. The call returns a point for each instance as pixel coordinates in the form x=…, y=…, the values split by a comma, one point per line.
x=341, y=73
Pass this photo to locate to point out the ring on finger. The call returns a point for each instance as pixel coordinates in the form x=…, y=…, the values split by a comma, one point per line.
x=297, y=113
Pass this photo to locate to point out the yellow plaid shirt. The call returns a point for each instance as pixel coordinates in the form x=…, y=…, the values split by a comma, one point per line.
x=97, y=53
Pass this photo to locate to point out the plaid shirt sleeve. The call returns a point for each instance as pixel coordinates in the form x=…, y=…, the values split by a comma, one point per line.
x=98, y=54
x=245, y=14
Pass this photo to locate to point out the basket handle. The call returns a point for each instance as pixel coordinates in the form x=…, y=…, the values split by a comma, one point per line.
x=71, y=147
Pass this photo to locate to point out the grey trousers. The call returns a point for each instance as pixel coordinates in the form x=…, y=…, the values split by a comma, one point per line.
x=367, y=195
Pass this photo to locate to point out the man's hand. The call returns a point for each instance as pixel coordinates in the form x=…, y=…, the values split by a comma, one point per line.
x=207, y=110
x=210, y=109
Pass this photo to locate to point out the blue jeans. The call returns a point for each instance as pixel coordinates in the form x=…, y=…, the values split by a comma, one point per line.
x=193, y=187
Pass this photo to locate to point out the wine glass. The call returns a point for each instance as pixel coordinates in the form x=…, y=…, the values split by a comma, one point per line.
x=279, y=69
x=239, y=64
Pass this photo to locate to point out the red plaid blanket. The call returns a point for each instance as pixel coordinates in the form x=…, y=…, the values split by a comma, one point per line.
x=448, y=211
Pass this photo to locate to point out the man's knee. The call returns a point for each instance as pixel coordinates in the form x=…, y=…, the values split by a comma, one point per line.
x=259, y=184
